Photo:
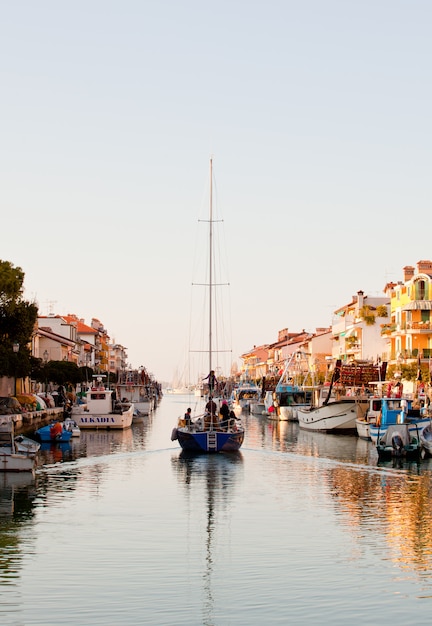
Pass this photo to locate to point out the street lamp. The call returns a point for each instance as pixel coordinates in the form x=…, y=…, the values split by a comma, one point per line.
x=45, y=360
x=15, y=348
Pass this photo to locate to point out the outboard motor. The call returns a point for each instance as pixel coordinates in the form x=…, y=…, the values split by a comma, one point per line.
x=397, y=444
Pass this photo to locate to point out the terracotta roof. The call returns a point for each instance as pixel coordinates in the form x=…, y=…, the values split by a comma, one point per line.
x=80, y=326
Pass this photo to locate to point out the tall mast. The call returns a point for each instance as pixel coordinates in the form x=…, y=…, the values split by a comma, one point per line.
x=211, y=266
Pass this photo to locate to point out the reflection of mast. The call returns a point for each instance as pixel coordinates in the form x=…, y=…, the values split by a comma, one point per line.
x=211, y=484
x=217, y=473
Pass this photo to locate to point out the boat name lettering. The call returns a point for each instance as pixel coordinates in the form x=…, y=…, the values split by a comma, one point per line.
x=97, y=420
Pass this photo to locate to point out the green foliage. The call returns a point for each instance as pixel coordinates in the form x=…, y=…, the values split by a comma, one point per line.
x=11, y=285
x=408, y=371
x=17, y=321
x=367, y=315
x=60, y=372
x=381, y=311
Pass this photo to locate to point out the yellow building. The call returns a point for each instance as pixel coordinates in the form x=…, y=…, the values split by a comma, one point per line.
x=410, y=330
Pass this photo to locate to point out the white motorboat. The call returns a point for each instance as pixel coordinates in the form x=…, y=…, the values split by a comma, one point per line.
x=25, y=445
x=101, y=409
x=71, y=425
x=370, y=417
x=257, y=407
x=11, y=460
x=242, y=396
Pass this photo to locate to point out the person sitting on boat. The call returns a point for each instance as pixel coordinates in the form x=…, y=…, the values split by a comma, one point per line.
x=232, y=419
x=225, y=413
x=212, y=381
x=187, y=417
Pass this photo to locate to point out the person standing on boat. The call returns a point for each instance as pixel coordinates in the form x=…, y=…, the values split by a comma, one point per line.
x=211, y=420
x=211, y=406
x=187, y=417
x=212, y=382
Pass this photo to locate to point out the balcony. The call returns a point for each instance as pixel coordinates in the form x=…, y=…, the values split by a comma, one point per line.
x=418, y=327
x=388, y=329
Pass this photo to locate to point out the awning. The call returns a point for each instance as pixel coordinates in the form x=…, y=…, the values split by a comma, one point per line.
x=418, y=305
x=349, y=332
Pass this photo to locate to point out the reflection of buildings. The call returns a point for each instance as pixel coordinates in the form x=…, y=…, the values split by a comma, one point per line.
x=392, y=505
x=212, y=478
x=17, y=493
x=102, y=442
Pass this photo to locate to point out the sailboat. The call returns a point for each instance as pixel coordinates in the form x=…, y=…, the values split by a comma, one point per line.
x=206, y=433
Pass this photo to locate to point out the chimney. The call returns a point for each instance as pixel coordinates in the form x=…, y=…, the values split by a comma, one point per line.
x=408, y=271
x=424, y=267
x=360, y=299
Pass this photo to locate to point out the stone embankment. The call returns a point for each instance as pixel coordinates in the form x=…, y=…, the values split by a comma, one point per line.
x=32, y=420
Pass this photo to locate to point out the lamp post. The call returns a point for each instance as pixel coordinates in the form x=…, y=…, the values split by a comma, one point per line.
x=15, y=348
x=45, y=357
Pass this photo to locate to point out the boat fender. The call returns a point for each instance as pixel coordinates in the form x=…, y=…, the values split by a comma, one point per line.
x=199, y=423
x=174, y=434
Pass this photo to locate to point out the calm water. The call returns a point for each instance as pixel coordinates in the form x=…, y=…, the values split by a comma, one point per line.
x=297, y=528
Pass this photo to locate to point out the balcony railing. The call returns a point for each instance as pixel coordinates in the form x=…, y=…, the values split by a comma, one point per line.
x=424, y=354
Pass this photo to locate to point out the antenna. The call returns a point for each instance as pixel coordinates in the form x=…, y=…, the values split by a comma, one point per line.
x=50, y=306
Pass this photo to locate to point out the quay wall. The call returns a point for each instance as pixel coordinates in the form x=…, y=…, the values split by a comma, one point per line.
x=32, y=420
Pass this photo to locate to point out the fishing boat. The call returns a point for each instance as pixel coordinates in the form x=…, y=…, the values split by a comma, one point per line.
x=102, y=409
x=291, y=392
x=205, y=432
x=134, y=387
x=397, y=411
x=345, y=399
x=12, y=460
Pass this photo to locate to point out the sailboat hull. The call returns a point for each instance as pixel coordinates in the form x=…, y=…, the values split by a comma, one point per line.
x=208, y=442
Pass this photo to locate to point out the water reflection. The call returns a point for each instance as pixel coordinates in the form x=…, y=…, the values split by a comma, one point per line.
x=213, y=477
x=17, y=495
x=393, y=505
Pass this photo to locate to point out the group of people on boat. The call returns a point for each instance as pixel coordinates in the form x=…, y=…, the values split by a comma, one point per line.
x=222, y=419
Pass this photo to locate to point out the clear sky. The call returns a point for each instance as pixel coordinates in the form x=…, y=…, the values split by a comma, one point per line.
x=318, y=117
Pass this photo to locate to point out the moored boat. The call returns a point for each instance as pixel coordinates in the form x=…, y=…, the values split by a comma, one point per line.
x=397, y=411
x=398, y=441
x=134, y=387
x=25, y=445
x=290, y=392
x=56, y=432
x=11, y=459
x=102, y=409
x=370, y=417
x=243, y=395
x=426, y=439
x=337, y=406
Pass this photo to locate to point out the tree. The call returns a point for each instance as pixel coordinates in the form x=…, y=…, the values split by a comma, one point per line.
x=17, y=321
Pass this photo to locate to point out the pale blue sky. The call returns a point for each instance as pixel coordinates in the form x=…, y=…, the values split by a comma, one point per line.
x=317, y=114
